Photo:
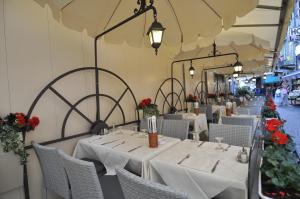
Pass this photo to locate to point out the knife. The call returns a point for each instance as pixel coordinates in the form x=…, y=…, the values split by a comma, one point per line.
x=109, y=142
x=135, y=148
x=215, y=166
x=186, y=157
x=201, y=143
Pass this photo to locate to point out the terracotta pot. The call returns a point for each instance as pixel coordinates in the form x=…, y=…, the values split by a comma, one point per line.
x=153, y=140
x=228, y=111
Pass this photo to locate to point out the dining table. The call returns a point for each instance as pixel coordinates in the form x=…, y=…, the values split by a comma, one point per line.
x=202, y=170
x=122, y=148
x=199, y=121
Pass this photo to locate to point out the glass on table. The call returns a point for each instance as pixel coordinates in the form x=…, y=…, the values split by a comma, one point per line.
x=105, y=131
x=219, y=141
x=196, y=136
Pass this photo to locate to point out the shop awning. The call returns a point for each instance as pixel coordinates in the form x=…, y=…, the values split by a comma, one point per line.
x=293, y=75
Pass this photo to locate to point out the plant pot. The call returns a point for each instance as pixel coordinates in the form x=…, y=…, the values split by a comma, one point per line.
x=261, y=195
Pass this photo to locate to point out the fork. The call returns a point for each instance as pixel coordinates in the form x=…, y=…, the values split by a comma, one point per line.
x=227, y=148
x=186, y=157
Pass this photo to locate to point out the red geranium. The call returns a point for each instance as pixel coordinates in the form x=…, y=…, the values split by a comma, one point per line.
x=279, y=138
x=34, y=121
x=144, y=103
x=273, y=125
x=20, y=119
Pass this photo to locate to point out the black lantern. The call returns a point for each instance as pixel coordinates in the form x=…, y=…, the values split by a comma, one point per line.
x=238, y=66
x=192, y=70
x=155, y=33
x=235, y=74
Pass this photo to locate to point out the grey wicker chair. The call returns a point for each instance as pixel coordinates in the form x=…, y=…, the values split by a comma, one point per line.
x=83, y=178
x=242, y=121
x=144, y=124
x=135, y=187
x=173, y=117
x=243, y=111
x=54, y=176
x=233, y=134
x=175, y=128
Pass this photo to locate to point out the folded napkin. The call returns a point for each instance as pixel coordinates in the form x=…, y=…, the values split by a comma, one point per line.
x=200, y=163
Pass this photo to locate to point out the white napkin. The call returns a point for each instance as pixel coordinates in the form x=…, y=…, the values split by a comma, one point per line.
x=200, y=163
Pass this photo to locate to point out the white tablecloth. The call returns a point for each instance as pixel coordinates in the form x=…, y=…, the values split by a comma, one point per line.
x=200, y=120
x=194, y=176
x=116, y=154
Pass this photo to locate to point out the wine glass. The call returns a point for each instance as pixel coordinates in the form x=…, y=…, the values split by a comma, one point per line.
x=120, y=128
x=219, y=140
x=195, y=136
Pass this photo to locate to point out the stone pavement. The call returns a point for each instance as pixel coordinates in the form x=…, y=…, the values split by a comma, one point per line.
x=292, y=126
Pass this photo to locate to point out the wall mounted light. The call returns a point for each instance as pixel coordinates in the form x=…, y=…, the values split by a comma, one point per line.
x=156, y=33
x=192, y=70
x=238, y=66
x=265, y=77
x=229, y=79
x=254, y=79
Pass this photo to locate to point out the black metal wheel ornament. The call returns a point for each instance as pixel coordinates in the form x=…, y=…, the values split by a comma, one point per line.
x=95, y=126
x=167, y=97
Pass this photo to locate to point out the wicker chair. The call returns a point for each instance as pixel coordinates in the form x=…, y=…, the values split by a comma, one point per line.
x=135, y=187
x=144, y=124
x=243, y=111
x=175, y=128
x=54, y=176
x=83, y=178
x=233, y=134
x=242, y=121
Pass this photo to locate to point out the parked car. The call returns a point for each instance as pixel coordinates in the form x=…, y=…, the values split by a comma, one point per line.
x=294, y=96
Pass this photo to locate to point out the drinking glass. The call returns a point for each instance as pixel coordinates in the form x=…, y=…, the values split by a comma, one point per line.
x=219, y=140
x=195, y=136
x=105, y=131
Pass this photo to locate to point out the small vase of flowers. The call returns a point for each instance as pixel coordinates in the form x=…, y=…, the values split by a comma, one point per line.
x=11, y=128
x=149, y=109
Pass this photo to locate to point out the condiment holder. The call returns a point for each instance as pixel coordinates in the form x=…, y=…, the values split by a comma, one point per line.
x=243, y=156
x=228, y=109
x=152, y=135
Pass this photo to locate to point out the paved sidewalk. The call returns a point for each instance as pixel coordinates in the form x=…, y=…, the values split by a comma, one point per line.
x=292, y=126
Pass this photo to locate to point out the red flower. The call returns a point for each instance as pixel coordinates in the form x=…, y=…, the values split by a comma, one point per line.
x=279, y=138
x=281, y=193
x=34, y=121
x=144, y=103
x=20, y=119
x=273, y=125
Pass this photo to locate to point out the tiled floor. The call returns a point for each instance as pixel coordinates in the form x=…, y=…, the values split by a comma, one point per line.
x=292, y=126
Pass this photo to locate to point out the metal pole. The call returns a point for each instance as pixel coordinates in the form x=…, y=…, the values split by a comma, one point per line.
x=192, y=59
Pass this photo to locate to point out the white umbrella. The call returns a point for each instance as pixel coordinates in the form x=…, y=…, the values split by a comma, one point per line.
x=184, y=20
x=247, y=46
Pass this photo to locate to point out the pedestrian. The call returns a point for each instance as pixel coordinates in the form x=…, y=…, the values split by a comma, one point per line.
x=284, y=95
x=278, y=96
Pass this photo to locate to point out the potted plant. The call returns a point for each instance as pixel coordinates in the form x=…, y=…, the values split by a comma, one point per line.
x=11, y=128
x=148, y=108
x=280, y=172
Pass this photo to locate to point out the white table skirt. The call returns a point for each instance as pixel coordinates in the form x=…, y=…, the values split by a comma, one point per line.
x=200, y=121
x=194, y=176
x=113, y=156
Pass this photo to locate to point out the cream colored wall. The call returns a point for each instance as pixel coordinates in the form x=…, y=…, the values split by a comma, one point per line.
x=34, y=49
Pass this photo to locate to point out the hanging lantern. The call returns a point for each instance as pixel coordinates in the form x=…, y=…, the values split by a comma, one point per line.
x=192, y=70
x=238, y=66
x=155, y=33
x=235, y=74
